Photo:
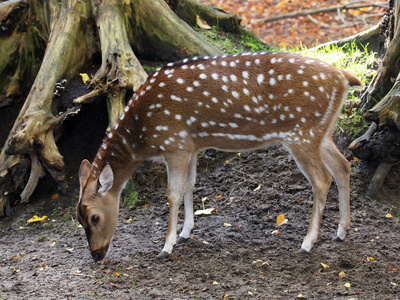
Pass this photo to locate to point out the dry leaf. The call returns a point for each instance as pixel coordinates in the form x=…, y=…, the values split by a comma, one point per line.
x=276, y=232
x=85, y=77
x=347, y=284
x=342, y=274
x=370, y=258
x=325, y=266
x=389, y=215
x=218, y=196
x=36, y=219
x=280, y=220
x=207, y=211
x=227, y=295
x=215, y=283
x=55, y=196
x=202, y=23
x=227, y=225
x=257, y=188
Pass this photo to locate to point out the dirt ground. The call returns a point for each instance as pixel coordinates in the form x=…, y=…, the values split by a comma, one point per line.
x=233, y=253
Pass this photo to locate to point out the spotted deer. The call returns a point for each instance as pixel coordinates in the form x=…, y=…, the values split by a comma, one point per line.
x=237, y=102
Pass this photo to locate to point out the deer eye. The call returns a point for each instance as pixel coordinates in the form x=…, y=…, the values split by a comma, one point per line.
x=95, y=219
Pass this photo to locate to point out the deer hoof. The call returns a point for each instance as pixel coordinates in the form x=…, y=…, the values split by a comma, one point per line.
x=163, y=255
x=181, y=240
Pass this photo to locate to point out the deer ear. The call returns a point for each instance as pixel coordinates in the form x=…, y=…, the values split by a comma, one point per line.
x=84, y=172
x=106, y=179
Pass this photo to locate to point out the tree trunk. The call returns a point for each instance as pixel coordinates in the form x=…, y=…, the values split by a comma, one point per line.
x=45, y=42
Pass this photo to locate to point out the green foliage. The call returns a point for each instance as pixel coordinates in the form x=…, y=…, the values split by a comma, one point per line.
x=150, y=70
x=132, y=198
x=234, y=43
x=349, y=57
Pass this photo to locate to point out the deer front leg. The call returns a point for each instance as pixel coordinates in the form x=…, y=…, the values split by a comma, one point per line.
x=188, y=200
x=177, y=170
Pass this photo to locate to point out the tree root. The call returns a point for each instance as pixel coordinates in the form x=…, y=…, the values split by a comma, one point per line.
x=379, y=177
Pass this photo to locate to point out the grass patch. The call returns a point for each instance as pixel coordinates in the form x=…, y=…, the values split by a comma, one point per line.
x=132, y=198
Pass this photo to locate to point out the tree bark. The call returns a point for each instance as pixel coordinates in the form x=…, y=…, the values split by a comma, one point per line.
x=71, y=32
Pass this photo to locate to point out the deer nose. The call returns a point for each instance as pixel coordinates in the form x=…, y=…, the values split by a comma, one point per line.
x=98, y=255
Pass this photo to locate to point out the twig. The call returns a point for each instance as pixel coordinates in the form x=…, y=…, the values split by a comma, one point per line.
x=323, y=9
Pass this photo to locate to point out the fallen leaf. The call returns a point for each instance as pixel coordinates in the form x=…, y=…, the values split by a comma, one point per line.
x=300, y=296
x=115, y=285
x=347, y=284
x=146, y=205
x=393, y=283
x=207, y=211
x=215, y=283
x=257, y=188
x=15, y=257
x=202, y=23
x=325, y=266
x=70, y=250
x=276, y=232
x=370, y=258
x=55, y=196
x=36, y=219
x=342, y=274
x=227, y=225
x=355, y=159
x=392, y=269
x=85, y=77
x=280, y=220
x=227, y=295
x=116, y=274
x=218, y=196
x=389, y=215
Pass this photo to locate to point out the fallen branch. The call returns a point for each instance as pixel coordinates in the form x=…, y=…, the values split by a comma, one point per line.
x=323, y=9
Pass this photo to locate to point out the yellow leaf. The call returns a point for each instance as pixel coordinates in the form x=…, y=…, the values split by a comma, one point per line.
x=356, y=159
x=325, y=266
x=276, y=232
x=202, y=23
x=342, y=274
x=257, y=188
x=218, y=196
x=36, y=219
x=348, y=285
x=215, y=283
x=280, y=220
x=85, y=77
x=55, y=196
x=116, y=274
x=300, y=296
x=370, y=258
x=227, y=225
x=227, y=295
x=389, y=215
x=146, y=205
x=207, y=211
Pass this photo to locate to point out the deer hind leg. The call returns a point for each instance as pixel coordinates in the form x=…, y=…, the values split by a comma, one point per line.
x=339, y=167
x=312, y=166
x=188, y=200
x=177, y=168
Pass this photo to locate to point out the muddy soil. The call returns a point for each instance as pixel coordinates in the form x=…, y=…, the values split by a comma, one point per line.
x=232, y=254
